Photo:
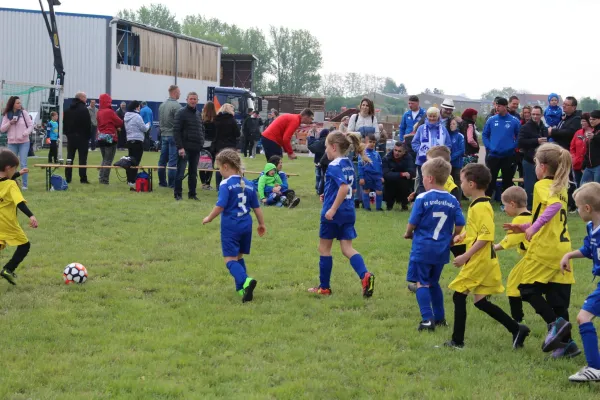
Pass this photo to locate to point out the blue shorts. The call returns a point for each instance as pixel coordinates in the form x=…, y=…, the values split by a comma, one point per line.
x=373, y=183
x=235, y=243
x=337, y=231
x=592, y=302
x=425, y=274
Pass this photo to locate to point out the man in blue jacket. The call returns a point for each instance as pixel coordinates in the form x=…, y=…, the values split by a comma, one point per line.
x=411, y=117
x=500, y=136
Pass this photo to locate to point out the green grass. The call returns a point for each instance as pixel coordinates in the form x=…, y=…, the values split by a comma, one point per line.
x=159, y=317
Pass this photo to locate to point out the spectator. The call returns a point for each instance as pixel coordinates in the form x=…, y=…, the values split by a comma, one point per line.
x=122, y=133
x=317, y=147
x=365, y=121
x=344, y=124
x=398, y=173
x=18, y=125
x=500, y=140
x=77, y=128
x=553, y=114
x=208, y=120
x=148, y=118
x=94, y=118
x=469, y=130
x=531, y=135
x=579, y=147
x=457, y=153
x=592, y=157
x=227, y=132
x=188, y=133
x=382, y=142
x=108, y=125
x=136, y=131
x=525, y=114
x=52, y=135
x=447, y=113
x=168, y=150
x=273, y=114
x=493, y=110
x=279, y=133
x=411, y=117
x=513, y=107
x=251, y=130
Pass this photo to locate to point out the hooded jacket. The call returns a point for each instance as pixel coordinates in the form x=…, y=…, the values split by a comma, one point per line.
x=19, y=132
x=108, y=120
x=528, y=138
x=408, y=122
x=77, y=121
x=500, y=135
x=188, y=131
x=317, y=146
x=227, y=132
x=553, y=114
x=457, y=151
x=135, y=126
x=578, y=149
x=266, y=183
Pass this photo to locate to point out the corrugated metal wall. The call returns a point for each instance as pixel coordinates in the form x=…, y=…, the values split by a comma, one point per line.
x=27, y=52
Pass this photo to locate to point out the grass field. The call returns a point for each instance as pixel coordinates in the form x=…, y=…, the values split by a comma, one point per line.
x=159, y=318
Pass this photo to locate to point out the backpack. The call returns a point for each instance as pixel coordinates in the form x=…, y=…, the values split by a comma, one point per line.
x=126, y=162
x=142, y=182
x=58, y=183
x=364, y=130
x=205, y=161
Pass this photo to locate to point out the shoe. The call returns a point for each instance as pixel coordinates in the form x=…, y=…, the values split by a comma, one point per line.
x=441, y=323
x=520, y=336
x=426, y=326
x=207, y=187
x=284, y=202
x=390, y=208
x=294, y=203
x=379, y=209
x=131, y=184
x=23, y=187
x=573, y=211
x=558, y=330
x=178, y=198
x=251, y=157
x=103, y=182
x=368, y=284
x=404, y=208
x=454, y=345
x=356, y=203
x=568, y=350
x=586, y=374
x=87, y=182
x=321, y=291
x=9, y=276
x=163, y=185
x=247, y=292
x=412, y=287
x=195, y=198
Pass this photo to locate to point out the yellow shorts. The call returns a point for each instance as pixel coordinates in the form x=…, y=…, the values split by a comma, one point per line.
x=534, y=272
x=514, y=280
x=463, y=284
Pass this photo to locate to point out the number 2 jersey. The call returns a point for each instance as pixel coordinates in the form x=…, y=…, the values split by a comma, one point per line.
x=339, y=172
x=236, y=203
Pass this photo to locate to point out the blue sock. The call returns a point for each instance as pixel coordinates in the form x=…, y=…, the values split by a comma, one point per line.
x=243, y=264
x=359, y=266
x=378, y=200
x=589, y=337
x=366, y=201
x=325, y=267
x=424, y=300
x=437, y=301
x=239, y=274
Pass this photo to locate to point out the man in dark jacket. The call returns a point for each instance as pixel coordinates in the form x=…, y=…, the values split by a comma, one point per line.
x=77, y=128
x=122, y=136
x=531, y=136
x=251, y=130
x=188, y=133
x=398, y=175
x=317, y=147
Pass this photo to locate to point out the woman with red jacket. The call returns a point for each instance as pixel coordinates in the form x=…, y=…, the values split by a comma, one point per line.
x=107, y=138
x=579, y=146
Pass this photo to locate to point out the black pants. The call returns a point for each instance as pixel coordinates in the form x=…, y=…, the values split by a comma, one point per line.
x=191, y=161
x=497, y=164
x=53, y=153
x=136, y=150
x=18, y=257
x=271, y=148
x=248, y=145
x=206, y=176
x=549, y=300
x=93, y=137
x=397, y=192
x=456, y=176
x=77, y=144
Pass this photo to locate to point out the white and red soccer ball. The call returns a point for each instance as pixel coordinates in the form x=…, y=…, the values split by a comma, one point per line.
x=75, y=273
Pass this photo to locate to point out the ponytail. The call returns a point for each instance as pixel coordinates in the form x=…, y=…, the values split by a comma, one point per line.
x=563, y=170
x=359, y=147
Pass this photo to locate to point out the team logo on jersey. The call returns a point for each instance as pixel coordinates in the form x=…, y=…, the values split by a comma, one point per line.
x=507, y=126
x=484, y=230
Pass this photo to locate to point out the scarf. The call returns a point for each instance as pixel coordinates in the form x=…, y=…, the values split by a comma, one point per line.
x=429, y=137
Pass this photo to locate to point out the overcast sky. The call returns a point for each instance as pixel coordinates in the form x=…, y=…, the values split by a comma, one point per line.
x=460, y=46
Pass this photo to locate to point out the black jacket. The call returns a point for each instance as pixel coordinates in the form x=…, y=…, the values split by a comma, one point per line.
x=209, y=131
x=528, y=138
x=392, y=167
x=227, y=132
x=317, y=147
x=563, y=134
x=77, y=121
x=324, y=164
x=251, y=127
x=592, y=153
x=188, y=129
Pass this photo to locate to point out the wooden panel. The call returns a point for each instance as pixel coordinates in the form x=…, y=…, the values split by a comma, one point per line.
x=157, y=52
x=197, y=60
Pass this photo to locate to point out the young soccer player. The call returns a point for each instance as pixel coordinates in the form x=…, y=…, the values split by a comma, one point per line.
x=236, y=196
x=11, y=233
x=433, y=219
x=587, y=200
x=338, y=214
x=480, y=273
x=269, y=186
x=450, y=186
x=52, y=134
x=370, y=174
x=514, y=200
x=291, y=201
x=542, y=284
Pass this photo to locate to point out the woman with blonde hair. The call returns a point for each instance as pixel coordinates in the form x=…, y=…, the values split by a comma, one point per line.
x=227, y=132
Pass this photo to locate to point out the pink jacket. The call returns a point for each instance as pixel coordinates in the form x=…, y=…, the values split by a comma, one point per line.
x=19, y=132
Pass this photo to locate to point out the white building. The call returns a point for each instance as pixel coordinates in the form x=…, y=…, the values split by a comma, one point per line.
x=102, y=54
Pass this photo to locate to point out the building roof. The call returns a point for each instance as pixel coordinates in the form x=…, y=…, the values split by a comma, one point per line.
x=238, y=57
x=107, y=17
x=534, y=98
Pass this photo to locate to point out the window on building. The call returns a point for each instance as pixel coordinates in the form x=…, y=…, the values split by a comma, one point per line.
x=128, y=46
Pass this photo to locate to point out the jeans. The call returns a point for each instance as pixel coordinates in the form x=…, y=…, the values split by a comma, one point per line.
x=589, y=175
x=529, y=180
x=318, y=177
x=77, y=144
x=93, y=133
x=108, y=156
x=136, y=150
x=21, y=150
x=168, y=158
x=419, y=187
x=577, y=175
x=271, y=148
x=191, y=161
x=497, y=164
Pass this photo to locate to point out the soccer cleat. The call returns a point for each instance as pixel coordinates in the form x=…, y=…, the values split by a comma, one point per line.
x=195, y=198
x=294, y=202
x=321, y=291
x=569, y=350
x=441, y=324
x=426, y=326
x=9, y=276
x=558, y=330
x=368, y=284
x=412, y=287
x=586, y=374
x=454, y=345
x=247, y=290
x=520, y=336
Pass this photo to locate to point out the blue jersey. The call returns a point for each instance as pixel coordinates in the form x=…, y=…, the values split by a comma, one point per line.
x=52, y=130
x=372, y=170
x=340, y=171
x=236, y=203
x=590, y=247
x=435, y=214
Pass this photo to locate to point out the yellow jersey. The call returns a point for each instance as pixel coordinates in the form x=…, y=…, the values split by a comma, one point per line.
x=450, y=185
x=10, y=230
x=517, y=239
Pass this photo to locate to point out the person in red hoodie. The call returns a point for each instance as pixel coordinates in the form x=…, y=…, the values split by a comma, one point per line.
x=579, y=146
x=107, y=138
x=279, y=133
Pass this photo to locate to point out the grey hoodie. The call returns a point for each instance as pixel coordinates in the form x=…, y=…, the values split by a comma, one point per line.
x=134, y=126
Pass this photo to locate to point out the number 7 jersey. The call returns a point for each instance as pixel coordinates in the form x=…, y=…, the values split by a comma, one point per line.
x=339, y=172
x=236, y=203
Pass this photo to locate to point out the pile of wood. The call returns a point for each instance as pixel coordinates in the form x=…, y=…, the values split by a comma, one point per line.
x=290, y=104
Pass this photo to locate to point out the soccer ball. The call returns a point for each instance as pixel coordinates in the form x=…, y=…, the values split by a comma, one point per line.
x=75, y=273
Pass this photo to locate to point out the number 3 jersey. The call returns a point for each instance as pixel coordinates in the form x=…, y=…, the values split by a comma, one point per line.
x=339, y=172
x=435, y=214
x=236, y=203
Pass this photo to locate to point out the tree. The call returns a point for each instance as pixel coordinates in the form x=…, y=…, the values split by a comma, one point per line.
x=437, y=91
x=156, y=15
x=390, y=86
x=402, y=89
x=587, y=104
x=427, y=91
x=505, y=92
x=332, y=85
x=353, y=84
